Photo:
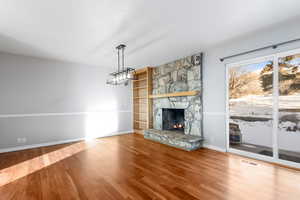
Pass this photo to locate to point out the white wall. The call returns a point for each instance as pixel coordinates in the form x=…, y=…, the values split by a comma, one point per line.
x=47, y=101
x=214, y=91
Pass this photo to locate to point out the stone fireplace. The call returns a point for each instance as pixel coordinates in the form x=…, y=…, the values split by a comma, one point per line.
x=182, y=75
x=177, y=120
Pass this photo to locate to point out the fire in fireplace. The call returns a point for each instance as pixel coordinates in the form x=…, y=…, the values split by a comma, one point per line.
x=173, y=119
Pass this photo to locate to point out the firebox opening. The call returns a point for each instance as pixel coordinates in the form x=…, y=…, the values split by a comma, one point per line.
x=173, y=119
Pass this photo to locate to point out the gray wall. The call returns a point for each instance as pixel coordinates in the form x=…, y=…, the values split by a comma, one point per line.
x=31, y=86
x=48, y=101
x=214, y=92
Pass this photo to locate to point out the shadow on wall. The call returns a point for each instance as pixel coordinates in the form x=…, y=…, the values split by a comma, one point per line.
x=16, y=46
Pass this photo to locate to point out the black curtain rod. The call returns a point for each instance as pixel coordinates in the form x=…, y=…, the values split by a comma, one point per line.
x=274, y=46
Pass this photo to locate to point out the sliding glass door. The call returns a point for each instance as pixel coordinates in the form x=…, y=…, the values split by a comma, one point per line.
x=289, y=107
x=263, y=108
x=251, y=106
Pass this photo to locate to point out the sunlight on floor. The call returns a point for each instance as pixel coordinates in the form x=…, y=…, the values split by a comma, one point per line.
x=28, y=167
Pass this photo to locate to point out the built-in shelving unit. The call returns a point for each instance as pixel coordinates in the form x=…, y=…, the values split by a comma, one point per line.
x=142, y=103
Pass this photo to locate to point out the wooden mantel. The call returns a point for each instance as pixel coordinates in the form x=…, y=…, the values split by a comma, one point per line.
x=175, y=94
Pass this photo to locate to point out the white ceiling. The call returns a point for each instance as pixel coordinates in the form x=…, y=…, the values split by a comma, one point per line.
x=155, y=31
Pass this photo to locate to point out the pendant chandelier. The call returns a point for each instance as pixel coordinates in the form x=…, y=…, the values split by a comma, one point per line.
x=124, y=74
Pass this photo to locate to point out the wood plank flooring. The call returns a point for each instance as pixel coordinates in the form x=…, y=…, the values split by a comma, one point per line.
x=130, y=167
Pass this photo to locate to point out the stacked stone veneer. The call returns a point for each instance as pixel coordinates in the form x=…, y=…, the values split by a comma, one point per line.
x=181, y=75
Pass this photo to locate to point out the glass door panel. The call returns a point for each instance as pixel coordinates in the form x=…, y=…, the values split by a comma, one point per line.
x=289, y=108
x=251, y=107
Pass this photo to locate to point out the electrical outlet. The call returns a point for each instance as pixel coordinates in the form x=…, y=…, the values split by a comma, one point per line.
x=21, y=140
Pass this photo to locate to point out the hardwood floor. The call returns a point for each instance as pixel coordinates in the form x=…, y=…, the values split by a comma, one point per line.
x=130, y=167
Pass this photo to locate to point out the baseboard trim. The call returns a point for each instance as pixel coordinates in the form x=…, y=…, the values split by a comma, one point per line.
x=32, y=146
x=212, y=147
